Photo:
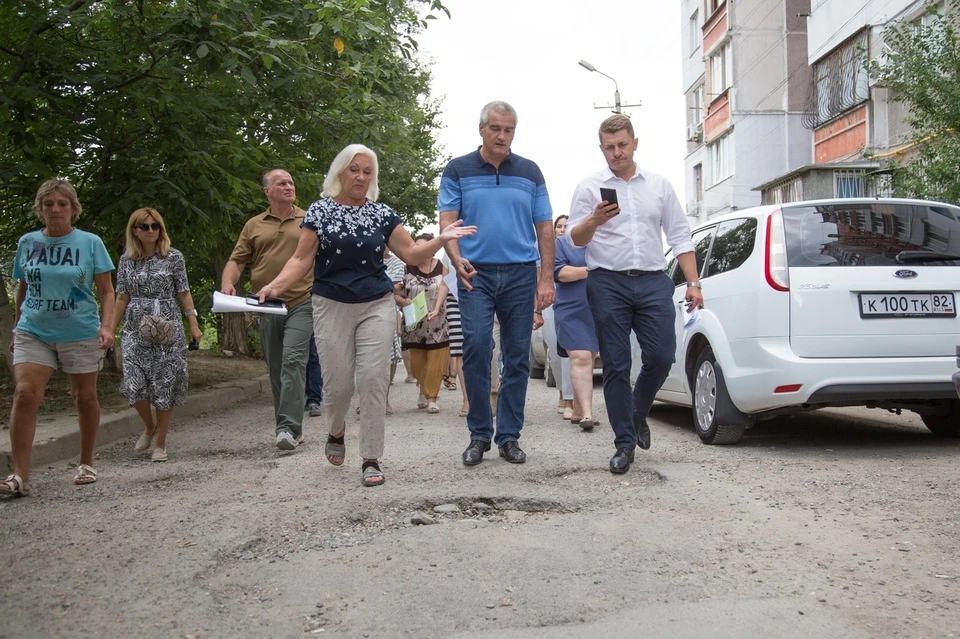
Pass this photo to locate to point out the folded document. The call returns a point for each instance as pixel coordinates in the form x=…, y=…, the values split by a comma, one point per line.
x=235, y=304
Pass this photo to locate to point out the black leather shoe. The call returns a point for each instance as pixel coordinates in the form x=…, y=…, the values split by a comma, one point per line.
x=473, y=455
x=512, y=453
x=621, y=460
x=643, y=432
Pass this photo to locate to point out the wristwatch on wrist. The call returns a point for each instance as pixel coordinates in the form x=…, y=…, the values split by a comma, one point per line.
x=694, y=285
x=192, y=311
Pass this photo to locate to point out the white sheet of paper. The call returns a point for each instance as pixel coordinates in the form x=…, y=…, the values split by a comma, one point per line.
x=450, y=279
x=235, y=304
x=690, y=317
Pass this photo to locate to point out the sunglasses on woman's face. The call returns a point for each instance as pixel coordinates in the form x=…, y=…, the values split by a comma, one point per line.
x=150, y=227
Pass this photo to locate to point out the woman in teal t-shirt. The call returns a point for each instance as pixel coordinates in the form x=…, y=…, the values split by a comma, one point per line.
x=57, y=322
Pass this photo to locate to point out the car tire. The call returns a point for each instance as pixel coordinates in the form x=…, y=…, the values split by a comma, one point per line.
x=947, y=425
x=715, y=418
x=548, y=372
x=535, y=371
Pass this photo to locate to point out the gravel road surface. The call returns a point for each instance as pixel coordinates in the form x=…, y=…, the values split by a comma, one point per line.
x=838, y=523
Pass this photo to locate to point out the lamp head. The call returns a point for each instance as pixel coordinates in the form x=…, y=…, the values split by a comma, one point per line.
x=586, y=65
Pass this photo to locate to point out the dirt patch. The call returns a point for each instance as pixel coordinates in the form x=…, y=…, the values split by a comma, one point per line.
x=206, y=369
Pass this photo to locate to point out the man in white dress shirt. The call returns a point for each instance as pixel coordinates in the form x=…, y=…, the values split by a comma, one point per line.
x=626, y=284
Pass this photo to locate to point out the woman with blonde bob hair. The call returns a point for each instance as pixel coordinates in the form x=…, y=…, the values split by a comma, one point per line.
x=150, y=275
x=343, y=237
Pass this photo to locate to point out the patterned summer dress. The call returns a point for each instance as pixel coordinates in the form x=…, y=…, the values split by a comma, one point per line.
x=428, y=334
x=152, y=372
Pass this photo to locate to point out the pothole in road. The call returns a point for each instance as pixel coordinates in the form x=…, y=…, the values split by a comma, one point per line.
x=636, y=476
x=485, y=508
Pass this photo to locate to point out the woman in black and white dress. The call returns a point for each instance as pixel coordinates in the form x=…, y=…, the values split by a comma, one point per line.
x=150, y=276
x=455, y=365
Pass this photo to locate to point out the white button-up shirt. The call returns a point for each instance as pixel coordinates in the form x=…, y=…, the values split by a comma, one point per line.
x=632, y=239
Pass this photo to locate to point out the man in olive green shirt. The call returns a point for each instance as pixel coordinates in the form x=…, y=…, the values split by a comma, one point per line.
x=266, y=243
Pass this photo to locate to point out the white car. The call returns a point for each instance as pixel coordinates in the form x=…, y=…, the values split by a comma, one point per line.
x=847, y=302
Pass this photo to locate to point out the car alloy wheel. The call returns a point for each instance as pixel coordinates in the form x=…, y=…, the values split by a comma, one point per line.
x=715, y=417
x=705, y=395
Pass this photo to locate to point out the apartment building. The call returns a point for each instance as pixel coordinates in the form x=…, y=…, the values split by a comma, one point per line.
x=855, y=126
x=746, y=78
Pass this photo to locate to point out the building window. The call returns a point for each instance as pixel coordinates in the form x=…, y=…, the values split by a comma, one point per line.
x=788, y=191
x=720, y=154
x=721, y=70
x=841, y=79
x=694, y=35
x=713, y=5
x=850, y=183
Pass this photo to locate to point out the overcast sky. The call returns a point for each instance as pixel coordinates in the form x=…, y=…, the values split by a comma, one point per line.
x=527, y=52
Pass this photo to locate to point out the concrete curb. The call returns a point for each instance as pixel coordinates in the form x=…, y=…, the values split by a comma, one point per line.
x=61, y=440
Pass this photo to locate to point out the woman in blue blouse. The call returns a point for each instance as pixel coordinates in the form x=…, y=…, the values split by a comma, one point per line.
x=576, y=334
x=354, y=315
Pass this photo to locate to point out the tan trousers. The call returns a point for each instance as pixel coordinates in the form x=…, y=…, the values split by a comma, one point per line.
x=355, y=341
x=429, y=366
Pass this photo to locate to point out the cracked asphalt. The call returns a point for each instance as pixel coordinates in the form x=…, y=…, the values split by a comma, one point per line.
x=837, y=523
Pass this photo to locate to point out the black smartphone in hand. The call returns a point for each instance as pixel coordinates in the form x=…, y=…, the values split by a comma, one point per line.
x=610, y=195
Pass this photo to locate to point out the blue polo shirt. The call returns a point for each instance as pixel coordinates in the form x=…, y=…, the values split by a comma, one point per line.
x=504, y=203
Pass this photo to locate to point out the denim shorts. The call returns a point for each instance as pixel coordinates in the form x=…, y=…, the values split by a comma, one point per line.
x=76, y=358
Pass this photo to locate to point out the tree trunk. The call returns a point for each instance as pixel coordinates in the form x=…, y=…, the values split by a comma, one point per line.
x=6, y=327
x=234, y=335
x=233, y=326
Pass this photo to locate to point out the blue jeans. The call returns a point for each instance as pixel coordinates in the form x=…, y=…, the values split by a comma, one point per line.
x=644, y=304
x=509, y=291
x=314, y=375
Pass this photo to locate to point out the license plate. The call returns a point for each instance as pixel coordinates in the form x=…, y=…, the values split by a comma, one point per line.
x=877, y=305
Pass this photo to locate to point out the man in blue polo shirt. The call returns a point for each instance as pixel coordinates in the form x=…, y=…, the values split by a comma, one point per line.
x=505, y=196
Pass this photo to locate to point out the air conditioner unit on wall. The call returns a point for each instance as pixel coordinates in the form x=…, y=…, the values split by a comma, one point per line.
x=695, y=133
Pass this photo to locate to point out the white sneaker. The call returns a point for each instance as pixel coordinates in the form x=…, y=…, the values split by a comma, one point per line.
x=301, y=438
x=285, y=440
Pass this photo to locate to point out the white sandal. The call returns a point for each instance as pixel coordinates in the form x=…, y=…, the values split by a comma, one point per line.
x=85, y=475
x=12, y=486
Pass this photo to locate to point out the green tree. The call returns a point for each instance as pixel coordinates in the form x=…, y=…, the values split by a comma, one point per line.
x=182, y=104
x=922, y=69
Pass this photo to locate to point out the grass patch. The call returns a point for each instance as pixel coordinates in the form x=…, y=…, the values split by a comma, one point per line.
x=206, y=369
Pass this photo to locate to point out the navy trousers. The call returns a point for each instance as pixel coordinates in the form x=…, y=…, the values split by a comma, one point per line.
x=644, y=304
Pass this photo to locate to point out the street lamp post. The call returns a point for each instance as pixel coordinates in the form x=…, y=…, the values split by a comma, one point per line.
x=617, y=107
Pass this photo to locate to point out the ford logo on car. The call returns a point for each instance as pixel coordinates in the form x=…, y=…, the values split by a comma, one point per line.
x=905, y=273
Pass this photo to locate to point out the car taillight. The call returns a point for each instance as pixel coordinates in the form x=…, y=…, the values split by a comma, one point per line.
x=775, y=262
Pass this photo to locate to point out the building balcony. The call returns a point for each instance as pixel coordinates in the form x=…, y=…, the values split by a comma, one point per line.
x=715, y=29
x=719, y=113
x=843, y=138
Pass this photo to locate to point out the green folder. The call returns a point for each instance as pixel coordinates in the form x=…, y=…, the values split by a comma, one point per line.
x=416, y=310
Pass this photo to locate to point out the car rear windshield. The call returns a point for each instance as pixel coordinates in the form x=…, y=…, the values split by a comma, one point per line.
x=872, y=234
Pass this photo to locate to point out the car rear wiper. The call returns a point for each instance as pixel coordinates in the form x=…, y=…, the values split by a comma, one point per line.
x=904, y=257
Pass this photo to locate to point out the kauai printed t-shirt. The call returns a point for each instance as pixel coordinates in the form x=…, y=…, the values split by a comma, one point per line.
x=349, y=266
x=59, y=305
